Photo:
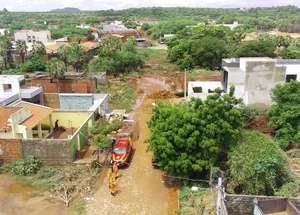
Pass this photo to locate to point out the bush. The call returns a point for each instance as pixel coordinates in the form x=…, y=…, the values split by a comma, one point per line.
x=95, y=164
x=288, y=190
x=197, y=89
x=180, y=94
x=27, y=167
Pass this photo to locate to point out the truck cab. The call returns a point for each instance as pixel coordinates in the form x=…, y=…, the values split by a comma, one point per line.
x=121, y=151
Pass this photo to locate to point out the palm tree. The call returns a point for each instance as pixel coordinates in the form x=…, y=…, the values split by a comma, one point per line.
x=5, y=47
x=21, y=48
x=64, y=54
x=56, y=69
x=78, y=57
x=39, y=48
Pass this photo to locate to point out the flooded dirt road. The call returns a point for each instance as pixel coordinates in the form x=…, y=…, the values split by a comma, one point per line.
x=17, y=199
x=141, y=189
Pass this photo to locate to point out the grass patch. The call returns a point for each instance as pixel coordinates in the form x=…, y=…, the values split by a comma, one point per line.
x=197, y=72
x=121, y=95
x=196, y=202
x=78, y=207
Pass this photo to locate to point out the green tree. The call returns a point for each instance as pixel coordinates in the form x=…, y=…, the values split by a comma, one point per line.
x=21, y=48
x=256, y=48
x=188, y=138
x=208, y=52
x=39, y=48
x=64, y=54
x=78, y=57
x=5, y=48
x=109, y=47
x=285, y=112
x=257, y=166
x=55, y=68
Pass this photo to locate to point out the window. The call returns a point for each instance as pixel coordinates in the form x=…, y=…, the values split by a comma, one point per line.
x=33, y=39
x=120, y=151
x=29, y=39
x=288, y=78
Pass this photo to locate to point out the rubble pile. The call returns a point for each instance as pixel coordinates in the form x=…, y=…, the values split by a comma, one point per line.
x=162, y=94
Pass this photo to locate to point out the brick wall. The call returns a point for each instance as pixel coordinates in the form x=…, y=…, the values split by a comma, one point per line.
x=65, y=85
x=11, y=148
x=50, y=151
x=243, y=204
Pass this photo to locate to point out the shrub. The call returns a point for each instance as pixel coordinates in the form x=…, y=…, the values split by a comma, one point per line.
x=48, y=172
x=95, y=164
x=27, y=167
x=288, y=190
x=180, y=94
x=197, y=89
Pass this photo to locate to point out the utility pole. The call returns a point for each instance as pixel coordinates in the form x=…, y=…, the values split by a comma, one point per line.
x=184, y=84
x=219, y=190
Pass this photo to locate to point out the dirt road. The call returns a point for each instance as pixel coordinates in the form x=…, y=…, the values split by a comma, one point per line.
x=141, y=189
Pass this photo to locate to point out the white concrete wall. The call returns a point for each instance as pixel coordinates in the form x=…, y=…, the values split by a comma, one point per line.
x=293, y=70
x=43, y=36
x=13, y=80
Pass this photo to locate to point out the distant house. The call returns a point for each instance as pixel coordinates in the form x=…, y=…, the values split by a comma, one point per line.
x=31, y=36
x=11, y=90
x=232, y=26
x=2, y=31
x=253, y=79
x=83, y=26
x=114, y=27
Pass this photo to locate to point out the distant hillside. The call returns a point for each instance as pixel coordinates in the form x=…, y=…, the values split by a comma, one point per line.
x=66, y=9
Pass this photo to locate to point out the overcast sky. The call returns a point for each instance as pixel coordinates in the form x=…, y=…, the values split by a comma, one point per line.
x=46, y=5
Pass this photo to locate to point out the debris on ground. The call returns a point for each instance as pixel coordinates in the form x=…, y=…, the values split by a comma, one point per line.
x=162, y=94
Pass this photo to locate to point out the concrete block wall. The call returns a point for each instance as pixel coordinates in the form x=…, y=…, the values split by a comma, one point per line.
x=50, y=151
x=11, y=148
x=100, y=76
x=243, y=204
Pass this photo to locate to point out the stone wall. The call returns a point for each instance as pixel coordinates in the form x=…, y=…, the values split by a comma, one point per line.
x=243, y=205
x=50, y=151
x=11, y=148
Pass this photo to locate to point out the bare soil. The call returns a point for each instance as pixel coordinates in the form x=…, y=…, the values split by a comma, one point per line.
x=141, y=189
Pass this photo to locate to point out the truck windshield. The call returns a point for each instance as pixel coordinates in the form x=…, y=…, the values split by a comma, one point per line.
x=120, y=150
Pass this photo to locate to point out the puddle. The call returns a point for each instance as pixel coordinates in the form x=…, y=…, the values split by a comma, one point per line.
x=17, y=198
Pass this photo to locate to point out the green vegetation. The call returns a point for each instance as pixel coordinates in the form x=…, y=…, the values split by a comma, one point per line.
x=258, y=166
x=116, y=58
x=285, y=112
x=256, y=48
x=188, y=139
x=55, y=68
x=27, y=167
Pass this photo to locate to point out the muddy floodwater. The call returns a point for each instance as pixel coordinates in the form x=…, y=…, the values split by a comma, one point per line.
x=17, y=198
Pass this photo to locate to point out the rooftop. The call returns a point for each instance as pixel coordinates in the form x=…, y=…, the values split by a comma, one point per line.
x=6, y=113
x=38, y=112
x=288, y=61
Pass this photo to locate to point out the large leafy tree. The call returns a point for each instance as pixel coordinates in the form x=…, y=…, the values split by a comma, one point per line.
x=188, y=138
x=21, y=48
x=256, y=48
x=55, y=68
x=115, y=58
x=5, y=48
x=285, y=112
x=257, y=166
x=109, y=47
x=291, y=52
x=39, y=48
x=77, y=57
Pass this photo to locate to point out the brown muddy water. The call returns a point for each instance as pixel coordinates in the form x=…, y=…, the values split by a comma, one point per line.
x=19, y=199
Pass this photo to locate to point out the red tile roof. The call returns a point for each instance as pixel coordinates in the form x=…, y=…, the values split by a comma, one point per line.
x=38, y=114
x=5, y=114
